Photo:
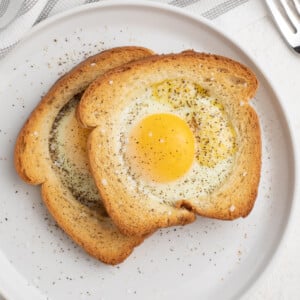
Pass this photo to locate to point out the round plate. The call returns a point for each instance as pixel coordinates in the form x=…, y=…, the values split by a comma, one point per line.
x=208, y=259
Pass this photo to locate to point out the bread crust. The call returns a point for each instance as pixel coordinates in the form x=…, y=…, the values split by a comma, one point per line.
x=86, y=226
x=101, y=107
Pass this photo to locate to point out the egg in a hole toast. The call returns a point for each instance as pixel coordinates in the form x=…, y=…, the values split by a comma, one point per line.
x=51, y=151
x=174, y=136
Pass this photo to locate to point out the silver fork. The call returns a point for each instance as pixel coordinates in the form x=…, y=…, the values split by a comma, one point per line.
x=287, y=17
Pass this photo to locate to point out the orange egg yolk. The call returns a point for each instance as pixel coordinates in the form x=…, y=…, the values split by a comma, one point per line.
x=161, y=147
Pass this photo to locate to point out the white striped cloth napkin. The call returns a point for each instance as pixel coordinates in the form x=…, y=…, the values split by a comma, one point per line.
x=18, y=16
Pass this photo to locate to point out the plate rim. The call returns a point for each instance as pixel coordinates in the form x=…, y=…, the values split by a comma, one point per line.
x=269, y=262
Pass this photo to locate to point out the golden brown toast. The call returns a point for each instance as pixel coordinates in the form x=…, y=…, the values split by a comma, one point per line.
x=51, y=151
x=228, y=172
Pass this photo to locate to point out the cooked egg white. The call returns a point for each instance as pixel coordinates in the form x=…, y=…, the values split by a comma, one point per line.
x=176, y=142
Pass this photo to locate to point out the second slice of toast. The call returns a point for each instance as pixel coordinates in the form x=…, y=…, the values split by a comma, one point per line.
x=51, y=151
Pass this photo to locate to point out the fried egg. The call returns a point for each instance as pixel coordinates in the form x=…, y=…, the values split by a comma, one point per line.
x=176, y=141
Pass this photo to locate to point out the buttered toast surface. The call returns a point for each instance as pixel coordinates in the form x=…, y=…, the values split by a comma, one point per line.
x=178, y=138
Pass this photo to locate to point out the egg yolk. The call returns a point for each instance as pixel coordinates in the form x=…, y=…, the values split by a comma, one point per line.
x=161, y=147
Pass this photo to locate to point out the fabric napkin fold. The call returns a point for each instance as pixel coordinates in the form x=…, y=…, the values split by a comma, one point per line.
x=17, y=17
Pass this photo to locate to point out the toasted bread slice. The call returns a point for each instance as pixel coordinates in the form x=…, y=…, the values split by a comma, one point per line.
x=133, y=202
x=51, y=151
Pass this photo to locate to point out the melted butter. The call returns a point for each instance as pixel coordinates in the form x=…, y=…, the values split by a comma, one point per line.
x=178, y=92
x=214, y=134
x=76, y=147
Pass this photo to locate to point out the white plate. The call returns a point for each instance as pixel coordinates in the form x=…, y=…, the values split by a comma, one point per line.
x=208, y=259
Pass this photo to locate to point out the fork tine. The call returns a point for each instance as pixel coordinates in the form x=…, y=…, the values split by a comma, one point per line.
x=281, y=23
x=290, y=13
x=297, y=5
